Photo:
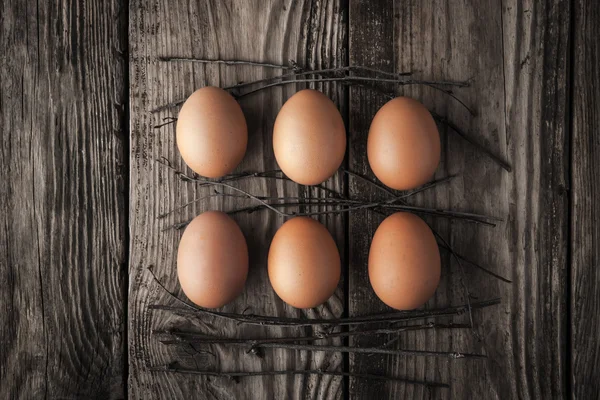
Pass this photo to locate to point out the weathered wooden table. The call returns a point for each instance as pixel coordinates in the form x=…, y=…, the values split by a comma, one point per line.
x=81, y=191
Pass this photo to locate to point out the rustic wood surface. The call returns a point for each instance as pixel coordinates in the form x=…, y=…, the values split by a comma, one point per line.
x=75, y=321
x=313, y=35
x=515, y=56
x=585, y=187
x=63, y=260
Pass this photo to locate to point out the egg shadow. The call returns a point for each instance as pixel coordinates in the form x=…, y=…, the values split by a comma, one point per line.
x=258, y=228
x=260, y=112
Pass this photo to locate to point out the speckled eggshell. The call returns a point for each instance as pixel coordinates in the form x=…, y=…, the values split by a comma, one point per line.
x=403, y=146
x=304, y=263
x=211, y=132
x=309, y=138
x=212, y=260
x=404, y=262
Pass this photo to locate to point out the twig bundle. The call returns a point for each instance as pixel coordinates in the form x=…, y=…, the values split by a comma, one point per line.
x=235, y=375
x=370, y=78
x=333, y=202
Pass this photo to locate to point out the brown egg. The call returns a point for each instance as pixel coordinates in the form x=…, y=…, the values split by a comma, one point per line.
x=211, y=132
x=309, y=138
x=404, y=262
x=304, y=263
x=212, y=260
x=404, y=144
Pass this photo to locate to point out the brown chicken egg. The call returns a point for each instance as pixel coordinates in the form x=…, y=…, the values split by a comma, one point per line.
x=212, y=260
x=211, y=132
x=403, y=146
x=309, y=138
x=304, y=263
x=404, y=262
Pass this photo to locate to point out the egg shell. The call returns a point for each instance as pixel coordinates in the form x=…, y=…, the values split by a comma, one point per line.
x=211, y=132
x=403, y=146
x=404, y=262
x=304, y=263
x=309, y=138
x=212, y=260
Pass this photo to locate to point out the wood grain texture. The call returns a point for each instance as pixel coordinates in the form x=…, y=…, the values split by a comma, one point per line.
x=313, y=33
x=370, y=44
x=62, y=208
x=516, y=55
x=585, y=213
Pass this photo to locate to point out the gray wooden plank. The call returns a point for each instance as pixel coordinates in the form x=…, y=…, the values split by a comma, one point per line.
x=585, y=214
x=516, y=55
x=371, y=33
x=313, y=34
x=62, y=202
x=536, y=62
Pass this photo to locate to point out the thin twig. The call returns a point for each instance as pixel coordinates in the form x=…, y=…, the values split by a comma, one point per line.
x=498, y=160
x=261, y=320
x=362, y=350
x=348, y=79
x=309, y=201
x=251, y=209
x=199, y=338
x=393, y=95
x=427, y=186
x=230, y=62
x=166, y=121
x=467, y=217
x=400, y=75
x=365, y=179
x=163, y=161
x=235, y=375
x=167, y=106
x=189, y=203
x=394, y=78
x=320, y=187
x=224, y=184
x=327, y=71
x=470, y=217
x=462, y=279
x=454, y=97
x=317, y=202
x=298, y=200
x=249, y=195
x=171, y=295
x=283, y=321
x=177, y=226
x=272, y=174
x=474, y=264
